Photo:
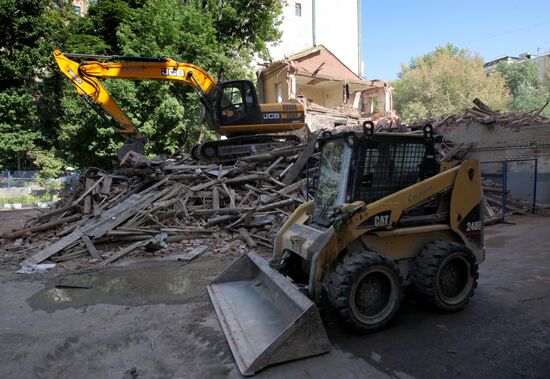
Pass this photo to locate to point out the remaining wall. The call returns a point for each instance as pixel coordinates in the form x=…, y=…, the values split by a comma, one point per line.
x=297, y=31
x=315, y=95
x=334, y=96
x=505, y=143
x=336, y=27
x=267, y=89
x=543, y=65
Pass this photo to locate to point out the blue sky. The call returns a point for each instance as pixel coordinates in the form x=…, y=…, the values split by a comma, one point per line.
x=394, y=31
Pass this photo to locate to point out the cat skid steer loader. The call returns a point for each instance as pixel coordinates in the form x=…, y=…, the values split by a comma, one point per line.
x=385, y=216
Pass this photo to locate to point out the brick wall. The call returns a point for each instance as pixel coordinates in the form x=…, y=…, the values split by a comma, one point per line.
x=500, y=142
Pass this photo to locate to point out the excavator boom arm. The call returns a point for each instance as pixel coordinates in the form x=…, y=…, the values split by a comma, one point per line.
x=93, y=90
x=85, y=77
x=140, y=68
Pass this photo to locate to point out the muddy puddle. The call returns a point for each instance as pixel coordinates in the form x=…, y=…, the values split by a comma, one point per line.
x=127, y=286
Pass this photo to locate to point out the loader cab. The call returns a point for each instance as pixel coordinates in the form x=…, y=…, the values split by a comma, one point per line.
x=367, y=168
x=237, y=103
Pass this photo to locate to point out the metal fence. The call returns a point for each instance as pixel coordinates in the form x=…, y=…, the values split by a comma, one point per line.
x=510, y=186
x=17, y=179
x=21, y=189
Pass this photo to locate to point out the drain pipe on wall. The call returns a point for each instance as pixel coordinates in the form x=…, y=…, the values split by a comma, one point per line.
x=359, y=39
x=313, y=26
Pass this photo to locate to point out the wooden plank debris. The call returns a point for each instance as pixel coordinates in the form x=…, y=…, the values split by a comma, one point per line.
x=109, y=219
x=88, y=190
x=42, y=227
x=194, y=253
x=249, y=241
x=299, y=164
x=90, y=246
x=106, y=186
x=129, y=249
x=89, y=186
x=215, y=199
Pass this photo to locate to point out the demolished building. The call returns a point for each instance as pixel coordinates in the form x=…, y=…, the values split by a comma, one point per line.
x=331, y=92
x=512, y=146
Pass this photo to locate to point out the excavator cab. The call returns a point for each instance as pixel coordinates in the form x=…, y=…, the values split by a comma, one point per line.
x=237, y=103
x=233, y=110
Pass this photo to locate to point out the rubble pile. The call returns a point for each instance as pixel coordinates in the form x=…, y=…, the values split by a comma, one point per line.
x=482, y=114
x=179, y=204
x=166, y=205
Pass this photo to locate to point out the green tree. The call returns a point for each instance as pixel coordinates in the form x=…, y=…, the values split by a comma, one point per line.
x=519, y=75
x=528, y=98
x=41, y=115
x=29, y=30
x=444, y=82
x=522, y=79
x=48, y=163
x=18, y=128
x=246, y=25
x=104, y=19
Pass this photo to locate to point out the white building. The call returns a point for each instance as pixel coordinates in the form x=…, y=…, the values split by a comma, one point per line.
x=542, y=62
x=333, y=24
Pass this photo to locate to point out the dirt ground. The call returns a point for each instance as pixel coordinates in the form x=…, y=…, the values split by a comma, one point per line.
x=154, y=320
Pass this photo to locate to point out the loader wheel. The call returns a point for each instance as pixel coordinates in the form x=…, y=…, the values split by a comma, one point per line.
x=445, y=275
x=365, y=289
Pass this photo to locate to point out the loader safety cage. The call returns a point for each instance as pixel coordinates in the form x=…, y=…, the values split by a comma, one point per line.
x=380, y=164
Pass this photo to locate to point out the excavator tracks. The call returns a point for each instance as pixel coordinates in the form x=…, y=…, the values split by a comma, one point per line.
x=232, y=149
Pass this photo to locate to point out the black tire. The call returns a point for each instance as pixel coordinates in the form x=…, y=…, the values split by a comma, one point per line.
x=365, y=290
x=444, y=275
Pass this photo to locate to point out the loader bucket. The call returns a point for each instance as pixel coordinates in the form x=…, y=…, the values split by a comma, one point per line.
x=266, y=320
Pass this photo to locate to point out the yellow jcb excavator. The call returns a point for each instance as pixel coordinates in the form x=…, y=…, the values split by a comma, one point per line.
x=231, y=108
x=385, y=216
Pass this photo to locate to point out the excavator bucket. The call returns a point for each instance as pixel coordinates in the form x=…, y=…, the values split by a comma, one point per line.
x=266, y=320
x=138, y=146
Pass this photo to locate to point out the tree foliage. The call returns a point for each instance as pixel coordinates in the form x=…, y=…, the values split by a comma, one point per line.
x=18, y=131
x=528, y=93
x=444, y=82
x=29, y=30
x=245, y=25
x=527, y=98
x=50, y=166
x=41, y=115
x=519, y=75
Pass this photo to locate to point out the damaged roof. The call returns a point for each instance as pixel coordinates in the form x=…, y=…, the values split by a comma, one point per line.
x=320, y=63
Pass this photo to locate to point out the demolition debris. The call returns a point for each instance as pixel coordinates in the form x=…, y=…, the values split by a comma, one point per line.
x=174, y=206
x=164, y=205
